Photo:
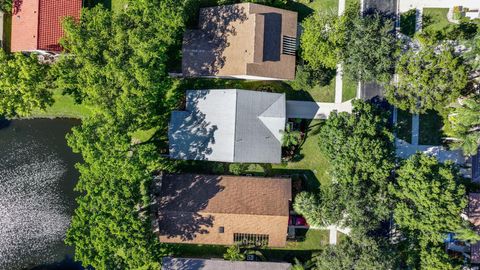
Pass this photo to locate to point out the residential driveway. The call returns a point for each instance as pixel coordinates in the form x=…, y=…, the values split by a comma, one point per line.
x=384, y=6
x=371, y=90
x=315, y=110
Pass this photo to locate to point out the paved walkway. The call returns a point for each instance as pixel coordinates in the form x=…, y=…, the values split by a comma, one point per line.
x=415, y=129
x=332, y=239
x=339, y=84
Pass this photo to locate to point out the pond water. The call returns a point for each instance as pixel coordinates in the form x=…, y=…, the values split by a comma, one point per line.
x=37, y=177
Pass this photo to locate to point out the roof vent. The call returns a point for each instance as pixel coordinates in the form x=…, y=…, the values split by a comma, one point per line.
x=289, y=45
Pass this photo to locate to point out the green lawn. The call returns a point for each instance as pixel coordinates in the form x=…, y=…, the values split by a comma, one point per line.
x=404, y=125
x=322, y=5
x=64, y=107
x=314, y=240
x=407, y=22
x=435, y=19
x=430, y=129
x=311, y=162
x=349, y=88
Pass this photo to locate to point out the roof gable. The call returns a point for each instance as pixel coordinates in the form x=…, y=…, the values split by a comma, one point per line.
x=229, y=125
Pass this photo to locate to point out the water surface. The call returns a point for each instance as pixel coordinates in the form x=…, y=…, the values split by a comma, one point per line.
x=37, y=177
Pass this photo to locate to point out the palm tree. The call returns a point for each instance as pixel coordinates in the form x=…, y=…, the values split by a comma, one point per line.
x=290, y=137
x=464, y=126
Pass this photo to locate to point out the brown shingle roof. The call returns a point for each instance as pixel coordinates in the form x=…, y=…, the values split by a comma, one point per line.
x=240, y=40
x=192, y=208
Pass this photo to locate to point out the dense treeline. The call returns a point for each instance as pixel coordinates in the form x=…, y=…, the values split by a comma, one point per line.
x=117, y=64
x=426, y=198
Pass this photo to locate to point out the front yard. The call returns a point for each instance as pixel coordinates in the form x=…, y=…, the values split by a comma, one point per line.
x=435, y=19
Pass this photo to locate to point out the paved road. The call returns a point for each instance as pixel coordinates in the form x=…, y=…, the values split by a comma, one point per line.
x=405, y=150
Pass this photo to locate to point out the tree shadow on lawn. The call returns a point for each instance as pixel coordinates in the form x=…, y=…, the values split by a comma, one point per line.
x=264, y=86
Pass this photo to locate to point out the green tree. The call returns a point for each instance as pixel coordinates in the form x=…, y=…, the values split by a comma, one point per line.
x=24, y=84
x=234, y=254
x=323, y=209
x=428, y=79
x=366, y=254
x=429, y=204
x=6, y=6
x=322, y=40
x=238, y=168
x=290, y=137
x=361, y=153
x=370, y=46
x=118, y=65
x=463, y=126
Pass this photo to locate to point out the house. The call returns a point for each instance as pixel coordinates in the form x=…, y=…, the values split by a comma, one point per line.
x=169, y=263
x=36, y=24
x=229, y=125
x=223, y=210
x=244, y=41
x=474, y=218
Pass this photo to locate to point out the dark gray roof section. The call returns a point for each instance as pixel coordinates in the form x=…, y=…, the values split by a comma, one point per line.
x=169, y=263
x=256, y=136
x=229, y=125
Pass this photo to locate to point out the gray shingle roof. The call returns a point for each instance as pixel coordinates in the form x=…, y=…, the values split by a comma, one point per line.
x=229, y=125
x=200, y=264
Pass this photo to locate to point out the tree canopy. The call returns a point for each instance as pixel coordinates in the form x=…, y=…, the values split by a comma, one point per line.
x=360, y=149
x=24, y=85
x=322, y=40
x=370, y=46
x=429, y=201
x=328, y=40
x=364, y=254
x=430, y=78
x=118, y=65
x=463, y=126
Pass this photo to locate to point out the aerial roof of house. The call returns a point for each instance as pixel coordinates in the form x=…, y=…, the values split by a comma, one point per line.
x=36, y=24
x=247, y=40
x=474, y=218
x=229, y=125
x=169, y=263
x=209, y=209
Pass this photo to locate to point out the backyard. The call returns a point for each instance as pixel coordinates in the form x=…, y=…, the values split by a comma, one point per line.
x=314, y=240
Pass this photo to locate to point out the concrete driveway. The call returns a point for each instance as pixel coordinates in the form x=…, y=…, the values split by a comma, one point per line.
x=315, y=110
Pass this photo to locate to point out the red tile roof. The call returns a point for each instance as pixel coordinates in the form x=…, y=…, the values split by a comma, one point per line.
x=36, y=24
